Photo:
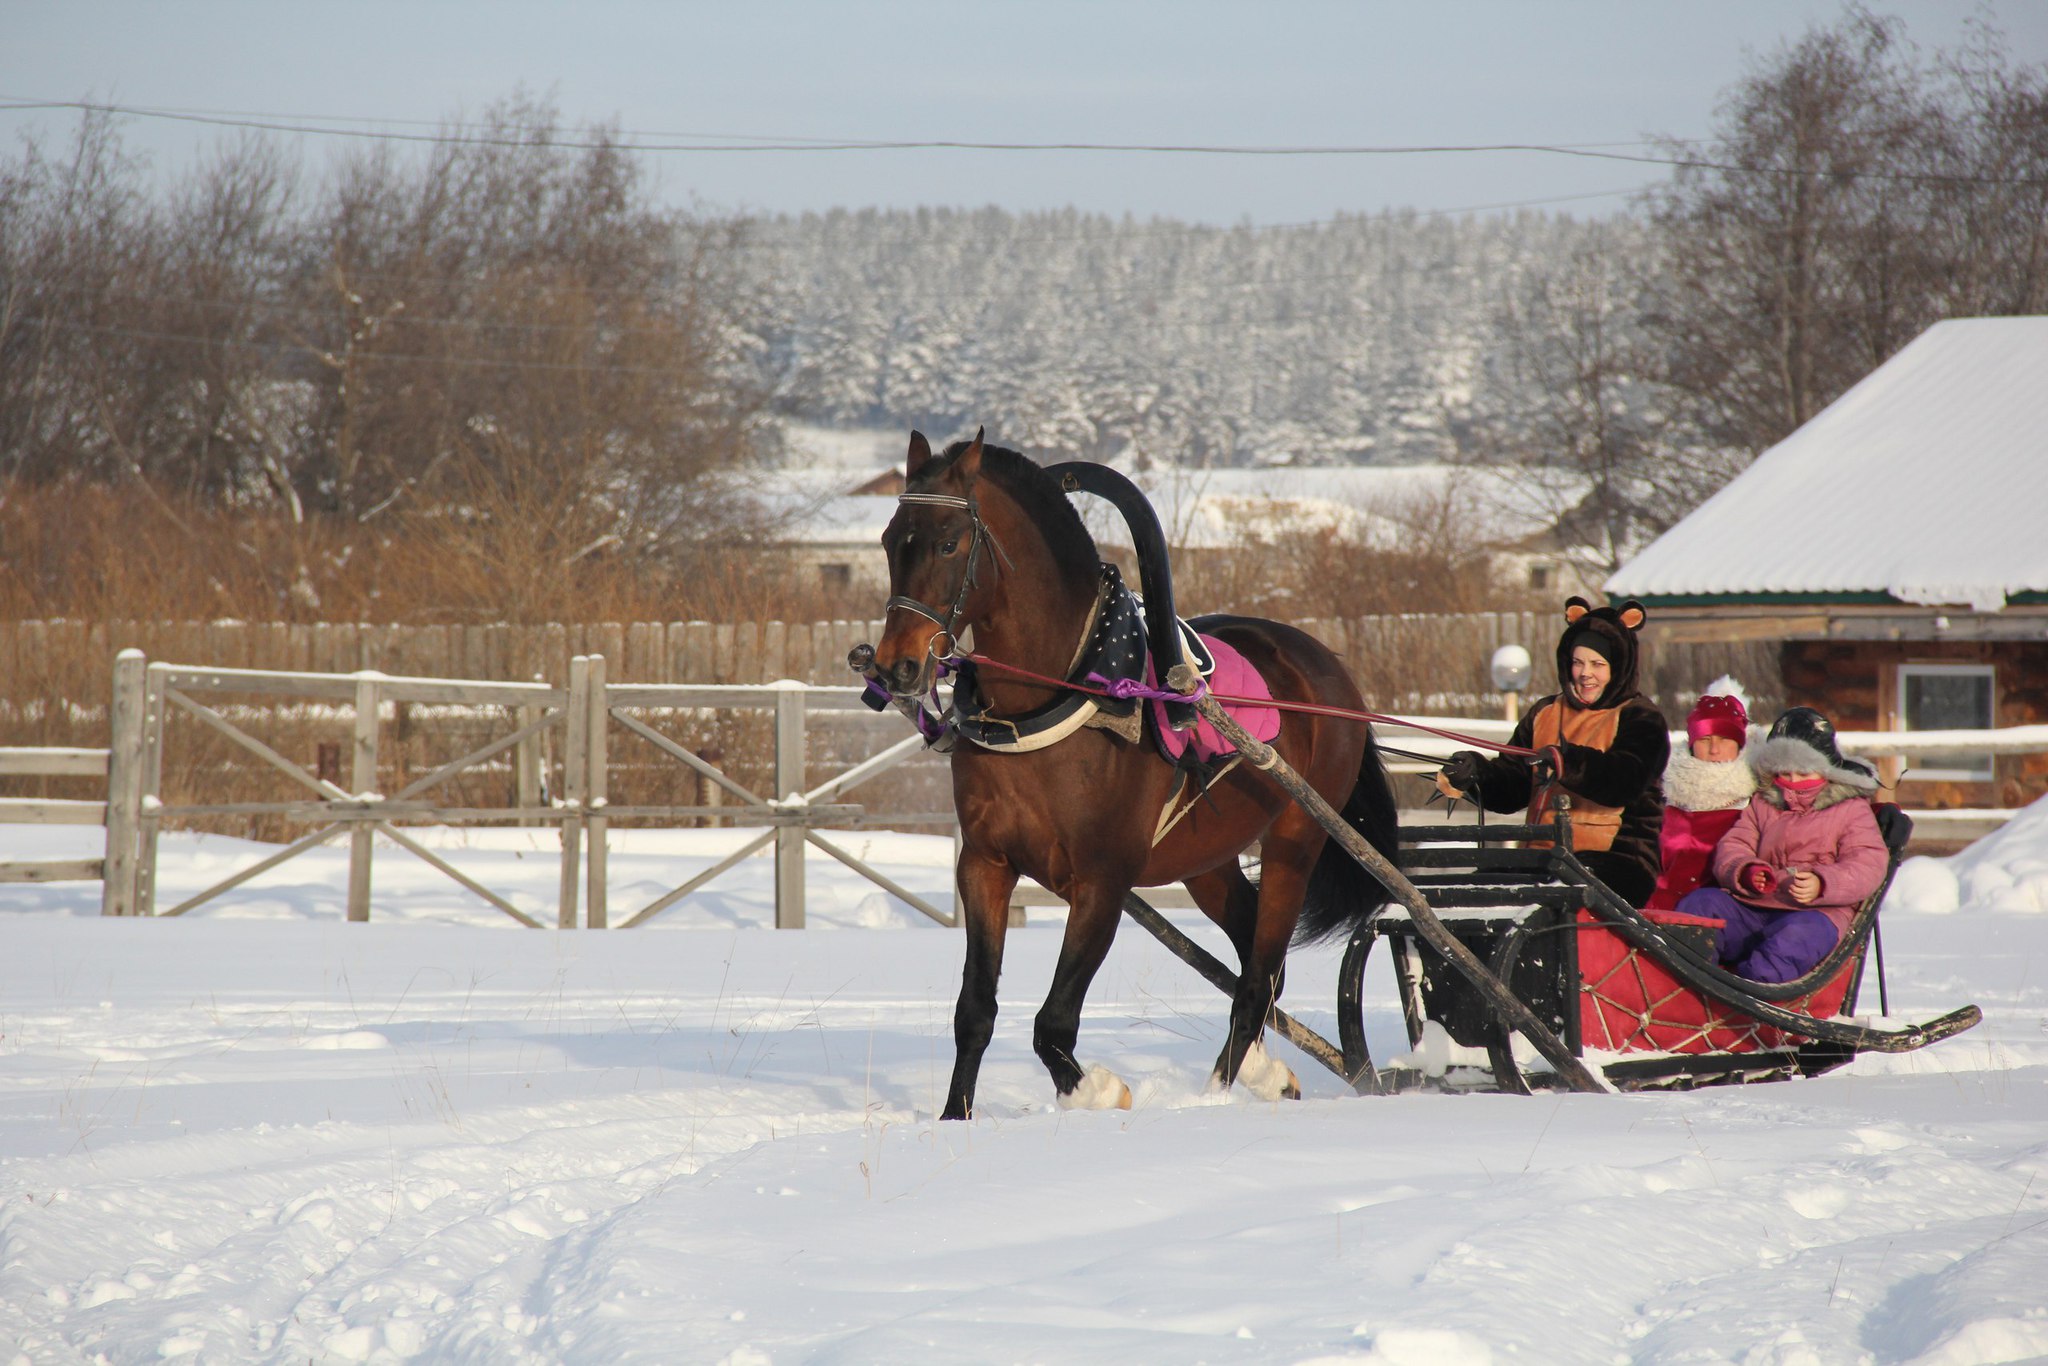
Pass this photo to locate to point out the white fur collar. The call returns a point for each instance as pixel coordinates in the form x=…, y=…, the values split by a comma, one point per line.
x=1692, y=784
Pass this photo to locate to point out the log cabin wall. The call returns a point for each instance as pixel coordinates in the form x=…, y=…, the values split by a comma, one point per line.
x=1856, y=684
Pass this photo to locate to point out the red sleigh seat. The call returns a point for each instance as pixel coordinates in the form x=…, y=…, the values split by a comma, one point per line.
x=1630, y=1003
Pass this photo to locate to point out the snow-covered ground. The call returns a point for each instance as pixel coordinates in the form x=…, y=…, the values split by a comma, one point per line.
x=258, y=1133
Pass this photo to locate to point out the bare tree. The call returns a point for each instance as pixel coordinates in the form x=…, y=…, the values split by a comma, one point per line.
x=1801, y=242
x=1995, y=234
x=1609, y=452
x=511, y=312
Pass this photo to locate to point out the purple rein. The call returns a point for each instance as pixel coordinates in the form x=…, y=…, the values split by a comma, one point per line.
x=1123, y=689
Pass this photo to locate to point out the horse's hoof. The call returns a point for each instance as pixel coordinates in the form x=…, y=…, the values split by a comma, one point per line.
x=1266, y=1077
x=1099, y=1089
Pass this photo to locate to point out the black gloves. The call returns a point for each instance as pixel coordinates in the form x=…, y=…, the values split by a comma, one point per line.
x=1463, y=771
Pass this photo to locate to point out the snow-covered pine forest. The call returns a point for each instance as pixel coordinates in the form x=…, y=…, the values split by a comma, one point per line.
x=1383, y=339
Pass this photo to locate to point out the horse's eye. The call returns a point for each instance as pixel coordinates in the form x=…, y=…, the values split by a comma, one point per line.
x=949, y=547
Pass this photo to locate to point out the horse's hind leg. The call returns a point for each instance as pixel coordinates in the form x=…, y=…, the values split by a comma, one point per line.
x=1283, y=881
x=1091, y=926
x=984, y=909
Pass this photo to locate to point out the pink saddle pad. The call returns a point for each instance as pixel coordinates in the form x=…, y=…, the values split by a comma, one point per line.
x=1234, y=676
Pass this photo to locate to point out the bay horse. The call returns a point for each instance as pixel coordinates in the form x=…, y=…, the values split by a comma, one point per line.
x=985, y=539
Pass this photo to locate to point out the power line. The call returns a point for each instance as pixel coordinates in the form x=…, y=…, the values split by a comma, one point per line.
x=761, y=143
x=745, y=142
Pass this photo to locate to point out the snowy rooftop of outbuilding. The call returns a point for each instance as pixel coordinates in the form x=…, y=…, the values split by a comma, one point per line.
x=1928, y=481
x=1379, y=505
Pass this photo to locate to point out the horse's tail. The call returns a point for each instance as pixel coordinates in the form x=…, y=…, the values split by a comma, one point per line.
x=1342, y=893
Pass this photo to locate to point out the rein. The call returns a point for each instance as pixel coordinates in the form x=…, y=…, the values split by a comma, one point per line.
x=1122, y=689
x=1128, y=688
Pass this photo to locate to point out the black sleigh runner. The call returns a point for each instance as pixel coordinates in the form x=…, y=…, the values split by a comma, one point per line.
x=1497, y=931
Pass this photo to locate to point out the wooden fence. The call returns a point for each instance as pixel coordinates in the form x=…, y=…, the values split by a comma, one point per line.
x=1403, y=663
x=577, y=783
x=648, y=652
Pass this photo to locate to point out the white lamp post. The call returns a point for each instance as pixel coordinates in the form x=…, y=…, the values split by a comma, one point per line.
x=1511, y=668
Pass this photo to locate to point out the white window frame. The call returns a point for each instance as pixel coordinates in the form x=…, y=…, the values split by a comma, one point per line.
x=1984, y=771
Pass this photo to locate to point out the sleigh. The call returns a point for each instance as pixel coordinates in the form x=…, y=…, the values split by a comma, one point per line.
x=1636, y=995
x=1498, y=933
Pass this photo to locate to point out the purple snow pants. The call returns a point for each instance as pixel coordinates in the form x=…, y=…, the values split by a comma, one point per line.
x=1764, y=946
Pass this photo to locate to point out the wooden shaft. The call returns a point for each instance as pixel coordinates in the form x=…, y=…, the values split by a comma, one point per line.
x=1224, y=980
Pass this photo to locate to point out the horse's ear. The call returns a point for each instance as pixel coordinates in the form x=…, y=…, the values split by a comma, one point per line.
x=1576, y=607
x=1632, y=615
x=969, y=463
x=920, y=451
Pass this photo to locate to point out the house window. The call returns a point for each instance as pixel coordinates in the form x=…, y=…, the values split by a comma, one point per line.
x=835, y=578
x=1539, y=577
x=1948, y=697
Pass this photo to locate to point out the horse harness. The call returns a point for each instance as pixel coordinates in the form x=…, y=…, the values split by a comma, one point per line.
x=1112, y=646
x=977, y=537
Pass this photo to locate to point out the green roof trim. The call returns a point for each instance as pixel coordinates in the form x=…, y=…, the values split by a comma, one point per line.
x=1859, y=599
x=2032, y=597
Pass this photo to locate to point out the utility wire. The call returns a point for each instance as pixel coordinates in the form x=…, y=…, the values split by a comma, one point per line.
x=1592, y=151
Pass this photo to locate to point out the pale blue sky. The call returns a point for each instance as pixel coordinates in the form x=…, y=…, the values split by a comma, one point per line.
x=1192, y=71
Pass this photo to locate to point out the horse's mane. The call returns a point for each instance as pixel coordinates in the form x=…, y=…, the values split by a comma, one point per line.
x=1037, y=492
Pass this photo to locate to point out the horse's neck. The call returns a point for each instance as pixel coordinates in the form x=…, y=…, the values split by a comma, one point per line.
x=1037, y=623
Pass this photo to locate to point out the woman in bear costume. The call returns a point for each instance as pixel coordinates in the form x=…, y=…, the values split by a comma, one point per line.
x=1706, y=785
x=1611, y=747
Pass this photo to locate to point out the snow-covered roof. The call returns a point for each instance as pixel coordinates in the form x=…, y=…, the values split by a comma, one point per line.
x=1928, y=481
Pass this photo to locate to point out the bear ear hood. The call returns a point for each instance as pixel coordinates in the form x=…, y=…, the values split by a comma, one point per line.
x=1611, y=630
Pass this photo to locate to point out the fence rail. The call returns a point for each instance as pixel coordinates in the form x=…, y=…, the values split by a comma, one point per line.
x=46, y=761
x=582, y=718
x=592, y=724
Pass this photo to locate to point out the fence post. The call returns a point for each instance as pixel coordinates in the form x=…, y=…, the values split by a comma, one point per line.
x=597, y=717
x=124, y=784
x=575, y=784
x=526, y=763
x=153, y=722
x=789, y=784
x=363, y=780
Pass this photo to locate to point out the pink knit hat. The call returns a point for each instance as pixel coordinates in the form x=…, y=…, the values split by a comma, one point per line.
x=1720, y=711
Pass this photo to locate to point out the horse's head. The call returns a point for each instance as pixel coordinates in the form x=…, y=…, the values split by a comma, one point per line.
x=941, y=566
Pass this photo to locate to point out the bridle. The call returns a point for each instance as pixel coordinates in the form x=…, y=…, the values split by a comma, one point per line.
x=978, y=536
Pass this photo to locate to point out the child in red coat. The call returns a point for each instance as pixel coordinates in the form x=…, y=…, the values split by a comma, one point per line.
x=1706, y=786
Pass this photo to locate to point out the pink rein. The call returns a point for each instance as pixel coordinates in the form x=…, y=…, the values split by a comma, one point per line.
x=1308, y=708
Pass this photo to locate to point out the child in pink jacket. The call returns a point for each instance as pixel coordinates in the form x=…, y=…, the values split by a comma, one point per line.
x=1796, y=864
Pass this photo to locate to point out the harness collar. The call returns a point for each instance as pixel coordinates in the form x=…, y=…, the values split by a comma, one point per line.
x=1112, y=643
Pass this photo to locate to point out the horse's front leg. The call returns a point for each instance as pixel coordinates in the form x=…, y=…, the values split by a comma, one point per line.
x=983, y=886
x=1094, y=909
